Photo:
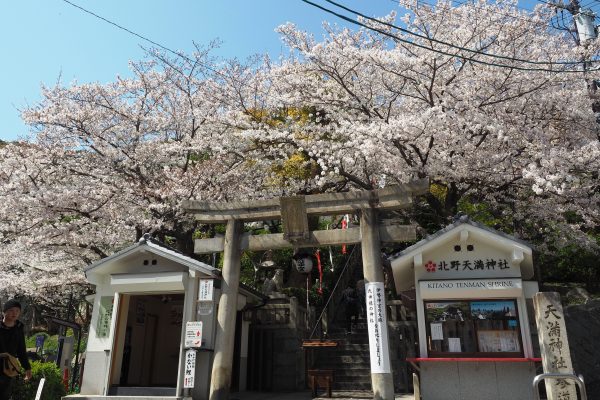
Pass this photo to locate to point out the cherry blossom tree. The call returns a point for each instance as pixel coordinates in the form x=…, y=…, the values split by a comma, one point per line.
x=390, y=104
x=108, y=163
x=358, y=109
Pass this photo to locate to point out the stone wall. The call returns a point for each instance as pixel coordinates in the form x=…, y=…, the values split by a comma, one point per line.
x=276, y=357
x=583, y=328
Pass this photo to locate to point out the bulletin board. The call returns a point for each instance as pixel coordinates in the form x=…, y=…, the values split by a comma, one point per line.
x=495, y=341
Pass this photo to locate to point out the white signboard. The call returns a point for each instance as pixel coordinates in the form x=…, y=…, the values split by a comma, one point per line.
x=436, y=331
x=189, y=369
x=205, y=291
x=193, y=334
x=454, y=345
x=377, y=325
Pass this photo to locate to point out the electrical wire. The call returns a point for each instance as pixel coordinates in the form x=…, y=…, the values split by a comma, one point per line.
x=408, y=42
x=179, y=54
x=130, y=32
x=498, y=56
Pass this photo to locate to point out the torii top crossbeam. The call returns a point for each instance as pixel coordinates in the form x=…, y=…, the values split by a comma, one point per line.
x=389, y=198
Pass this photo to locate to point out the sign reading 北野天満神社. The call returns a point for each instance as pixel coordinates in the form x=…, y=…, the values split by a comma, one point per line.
x=487, y=264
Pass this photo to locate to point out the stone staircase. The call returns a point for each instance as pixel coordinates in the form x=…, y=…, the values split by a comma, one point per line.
x=349, y=360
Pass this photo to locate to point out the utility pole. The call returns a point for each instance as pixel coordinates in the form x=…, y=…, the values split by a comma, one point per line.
x=586, y=30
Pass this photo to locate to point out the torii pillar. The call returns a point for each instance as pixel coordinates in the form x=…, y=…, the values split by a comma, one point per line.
x=381, y=382
x=220, y=380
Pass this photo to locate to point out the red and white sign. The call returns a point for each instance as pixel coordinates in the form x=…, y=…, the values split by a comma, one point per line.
x=193, y=334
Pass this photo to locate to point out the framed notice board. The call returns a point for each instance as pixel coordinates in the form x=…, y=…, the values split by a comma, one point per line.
x=495, y=341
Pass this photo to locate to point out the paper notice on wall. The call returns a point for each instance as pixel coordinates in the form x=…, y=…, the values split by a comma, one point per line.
x=193, y=334
x=454, y=345
x=205, y=290
x=436, y=331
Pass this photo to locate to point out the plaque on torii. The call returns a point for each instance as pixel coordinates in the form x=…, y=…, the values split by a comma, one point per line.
x=294, y=212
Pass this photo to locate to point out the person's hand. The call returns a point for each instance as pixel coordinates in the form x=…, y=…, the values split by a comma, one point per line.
x=27, y=375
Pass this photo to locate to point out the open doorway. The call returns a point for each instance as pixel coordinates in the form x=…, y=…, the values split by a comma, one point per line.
x=148, y=342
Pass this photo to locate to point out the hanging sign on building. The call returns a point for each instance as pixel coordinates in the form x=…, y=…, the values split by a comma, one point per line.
x=377, y=326
x=481, y=264
x=193, y=334
x=205, y=291
x=189, y=369
x=104, y=316
x=554, y=345
x=205, y=297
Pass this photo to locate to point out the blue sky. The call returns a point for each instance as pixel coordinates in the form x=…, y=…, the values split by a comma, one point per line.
x=43, y=40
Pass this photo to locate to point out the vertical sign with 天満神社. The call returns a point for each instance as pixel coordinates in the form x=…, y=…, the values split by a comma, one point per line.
x=377, y=326
x=554, y=345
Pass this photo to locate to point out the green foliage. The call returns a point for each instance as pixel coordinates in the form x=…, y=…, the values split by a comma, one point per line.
x=53, y=387
x=482, y=212
x=50, y=343
x=572, y=264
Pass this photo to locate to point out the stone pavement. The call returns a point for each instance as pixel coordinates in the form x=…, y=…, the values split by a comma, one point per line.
x=306, y=395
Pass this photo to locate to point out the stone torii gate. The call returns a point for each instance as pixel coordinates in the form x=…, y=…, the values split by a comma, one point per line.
x=294, y=212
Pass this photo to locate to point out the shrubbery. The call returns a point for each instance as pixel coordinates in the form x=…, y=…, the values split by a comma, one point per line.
x=53, y=387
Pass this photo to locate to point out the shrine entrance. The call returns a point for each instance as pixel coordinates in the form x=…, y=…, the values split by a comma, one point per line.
x=147, y=344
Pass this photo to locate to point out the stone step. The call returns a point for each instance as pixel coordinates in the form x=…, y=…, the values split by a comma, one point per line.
x=354, y=385
x=355, y=372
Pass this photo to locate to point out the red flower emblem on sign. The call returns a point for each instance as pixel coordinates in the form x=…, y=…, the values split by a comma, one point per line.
x=430, y=266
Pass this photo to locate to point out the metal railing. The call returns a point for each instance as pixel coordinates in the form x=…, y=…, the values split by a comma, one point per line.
x=578, y=380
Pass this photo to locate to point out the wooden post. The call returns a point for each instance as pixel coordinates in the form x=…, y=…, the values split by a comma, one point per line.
x=220, y=382
x=381, y=376
x=554, y=345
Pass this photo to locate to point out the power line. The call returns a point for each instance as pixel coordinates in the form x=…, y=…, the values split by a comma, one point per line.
x=453, y=45
x=399, y=39
x=178, y=54
x=130, y=31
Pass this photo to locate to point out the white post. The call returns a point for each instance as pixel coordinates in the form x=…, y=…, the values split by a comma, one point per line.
x=381, y=375
x=220, y=382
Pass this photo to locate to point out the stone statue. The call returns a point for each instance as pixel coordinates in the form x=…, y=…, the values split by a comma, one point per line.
x=274, y=284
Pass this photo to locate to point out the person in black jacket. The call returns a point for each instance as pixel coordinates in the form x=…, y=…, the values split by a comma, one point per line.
x=12, y=340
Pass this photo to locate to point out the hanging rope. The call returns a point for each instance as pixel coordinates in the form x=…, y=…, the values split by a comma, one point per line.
x=333, y=291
